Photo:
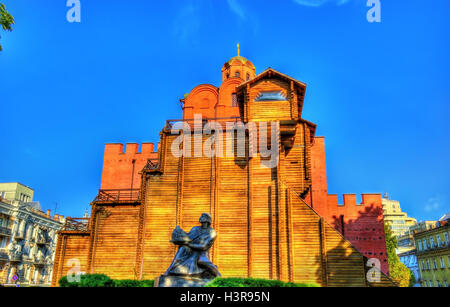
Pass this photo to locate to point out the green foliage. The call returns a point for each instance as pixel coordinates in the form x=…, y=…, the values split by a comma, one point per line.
x=412, y=279
x=64, y=283
x=398, y=272
x=6, y=20
x=129, y=283
x=254, y=283
x=102, y=281
x=88, y=281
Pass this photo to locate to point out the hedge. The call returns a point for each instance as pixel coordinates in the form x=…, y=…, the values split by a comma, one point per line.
x=254, y=283
x=103, y=281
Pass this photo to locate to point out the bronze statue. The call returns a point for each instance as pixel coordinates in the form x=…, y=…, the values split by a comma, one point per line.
x=191, y=266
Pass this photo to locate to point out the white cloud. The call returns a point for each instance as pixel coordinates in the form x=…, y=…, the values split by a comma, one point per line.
x=236, y=7
x=433, y=204
x=317, y=3
x=187, y=21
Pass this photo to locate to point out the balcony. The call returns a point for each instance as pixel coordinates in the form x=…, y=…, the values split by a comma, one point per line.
x=39, y=262
x=218, y=120
x=76, y=224
x=5, y=232
x=4, y=256
x=111, y=197
x=15, y=258
x=19, y=236
x=41, y=241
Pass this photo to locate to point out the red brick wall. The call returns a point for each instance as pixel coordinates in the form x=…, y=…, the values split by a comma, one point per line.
x=121, y=169
x=319, y=176
x=212, y=102
x=361, y=224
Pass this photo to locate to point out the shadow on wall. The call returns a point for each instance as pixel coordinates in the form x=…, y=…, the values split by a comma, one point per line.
x=366, y=232
x=342, y=268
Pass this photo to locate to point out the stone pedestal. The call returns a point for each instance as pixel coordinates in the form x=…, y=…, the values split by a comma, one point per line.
x=180, y=281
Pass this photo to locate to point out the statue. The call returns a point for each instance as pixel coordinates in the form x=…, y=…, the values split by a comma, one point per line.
x=191, y=266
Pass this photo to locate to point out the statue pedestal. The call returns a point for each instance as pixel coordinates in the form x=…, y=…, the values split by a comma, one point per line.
x=181, y=281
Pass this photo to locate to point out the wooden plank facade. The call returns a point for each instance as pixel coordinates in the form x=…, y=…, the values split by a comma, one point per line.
x=265, y=227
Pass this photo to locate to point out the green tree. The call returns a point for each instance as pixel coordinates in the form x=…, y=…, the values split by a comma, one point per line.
x=397, y=270
x=6, y=20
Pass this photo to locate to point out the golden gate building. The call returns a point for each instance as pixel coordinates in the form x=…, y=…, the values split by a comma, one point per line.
x=263, y=216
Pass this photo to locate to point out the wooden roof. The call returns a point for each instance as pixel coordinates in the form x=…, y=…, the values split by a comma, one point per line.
x=269, y=72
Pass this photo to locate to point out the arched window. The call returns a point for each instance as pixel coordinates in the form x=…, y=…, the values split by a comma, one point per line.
x=248, y=77
x=237, y=74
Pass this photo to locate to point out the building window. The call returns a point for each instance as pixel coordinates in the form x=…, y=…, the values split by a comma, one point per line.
x=420, y=246
x=445, y=283
x=442, y=263
x=446, y=238
x=428, y=264
x=234, y=100
x=3, y=242
x=439, y=284
x=434, y=264
x=271, y=96
x=423, y=265
x=448, y=262
x=425, y=245
x=439, y=240
x=431, y=242
x=248, y=77
x=237, y=74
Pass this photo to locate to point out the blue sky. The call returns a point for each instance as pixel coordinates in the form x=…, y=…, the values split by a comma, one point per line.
x=378, y=91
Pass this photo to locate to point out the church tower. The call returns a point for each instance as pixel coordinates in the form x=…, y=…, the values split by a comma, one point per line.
x=238, y=67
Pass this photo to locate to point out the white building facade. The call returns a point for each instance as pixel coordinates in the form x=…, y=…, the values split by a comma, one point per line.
x=28, y=239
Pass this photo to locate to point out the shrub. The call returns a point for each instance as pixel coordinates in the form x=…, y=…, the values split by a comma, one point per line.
x=147, y=283
x=101, y=280
x=129, y=283
x=254, y=283
x=88, y=281
x=65, y=283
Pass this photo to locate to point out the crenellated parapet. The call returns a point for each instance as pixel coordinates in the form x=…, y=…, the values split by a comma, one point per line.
x=121, y=167
x=350, y=201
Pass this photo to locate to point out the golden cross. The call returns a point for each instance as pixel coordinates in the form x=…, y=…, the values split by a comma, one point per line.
x=239, y=50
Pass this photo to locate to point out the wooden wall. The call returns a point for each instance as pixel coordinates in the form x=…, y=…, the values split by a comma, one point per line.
x=114, y=242
x=160, y=213
x=264, y=228
x=231, y=216
x=70, y=246
x=269, y=110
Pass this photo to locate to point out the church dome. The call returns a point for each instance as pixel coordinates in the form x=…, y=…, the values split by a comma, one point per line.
x=238, y=67
x=241, y=59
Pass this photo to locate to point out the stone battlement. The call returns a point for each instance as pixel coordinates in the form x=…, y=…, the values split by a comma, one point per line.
x=130, y=148
x=350, y=200
x=121, y=168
